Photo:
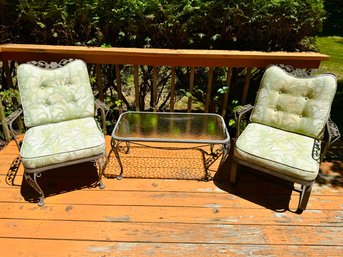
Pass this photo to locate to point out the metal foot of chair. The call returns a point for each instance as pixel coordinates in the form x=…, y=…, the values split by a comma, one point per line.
x=32, y=181
x=101, y=184
x=101, y=165
x=41, y=201
x=299, y=211
x=304, y=197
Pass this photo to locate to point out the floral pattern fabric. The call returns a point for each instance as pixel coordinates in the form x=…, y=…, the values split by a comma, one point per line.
x=300, y=105
x=61, y=142
x=55, y=95
x=284, y=152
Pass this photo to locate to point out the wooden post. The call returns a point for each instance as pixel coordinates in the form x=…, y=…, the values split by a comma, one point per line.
x=154, y=88
x=226, y=95
x=7, y=73
x=99, y=80
x=191, y=84
x=4, y=126
x=101, y=91
x=136, y=79
x=246, y=86
x=172, y=89
x=119, y=88
x=209, y=89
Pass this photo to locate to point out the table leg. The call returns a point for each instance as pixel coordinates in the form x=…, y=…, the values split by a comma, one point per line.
x=225, y=154
x=115, y=146
x=223, y=151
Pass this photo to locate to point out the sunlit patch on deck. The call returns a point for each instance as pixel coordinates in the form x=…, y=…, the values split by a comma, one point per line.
x=145, y=162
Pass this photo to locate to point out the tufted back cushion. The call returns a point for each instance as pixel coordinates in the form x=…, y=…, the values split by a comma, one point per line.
x=55, y=95
x=295, y=104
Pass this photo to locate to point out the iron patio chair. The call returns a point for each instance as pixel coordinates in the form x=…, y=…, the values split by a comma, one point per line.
x=290, y=129
x=59, y=113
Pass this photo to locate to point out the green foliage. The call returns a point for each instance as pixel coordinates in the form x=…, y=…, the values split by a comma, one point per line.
x=223, y=90
x=202, y=24
x=332, y=46
x=10, y=99
x=233, y=107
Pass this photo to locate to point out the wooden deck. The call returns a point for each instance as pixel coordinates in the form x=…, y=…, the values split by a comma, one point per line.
x=164, y=217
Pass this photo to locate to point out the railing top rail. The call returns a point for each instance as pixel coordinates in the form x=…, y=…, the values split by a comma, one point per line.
x=160, y=57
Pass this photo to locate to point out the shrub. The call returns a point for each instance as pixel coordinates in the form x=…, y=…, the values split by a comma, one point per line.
x=203, y=24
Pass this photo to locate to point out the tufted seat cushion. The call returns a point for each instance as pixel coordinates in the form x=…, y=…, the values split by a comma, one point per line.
x=284, y=152
x=61, y=142
x=295, y=104
x=55, y=95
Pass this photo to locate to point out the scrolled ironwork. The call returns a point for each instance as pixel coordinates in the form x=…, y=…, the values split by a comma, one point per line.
x=34, y=184
x=8, y=125
x=333, y=130
x=243, y=109
x=316, y=150
x=12, y=171
x=51, y=65
x=296, y=71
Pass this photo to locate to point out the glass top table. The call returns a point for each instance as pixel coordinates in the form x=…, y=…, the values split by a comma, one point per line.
x=171, y=127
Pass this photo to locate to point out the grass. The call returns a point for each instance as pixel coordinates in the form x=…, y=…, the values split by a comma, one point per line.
x=333, y=46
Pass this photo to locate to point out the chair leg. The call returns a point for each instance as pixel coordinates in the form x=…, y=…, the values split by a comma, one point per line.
x=101, y=184
x=101, y=163
x=304, y=197
x=34, y=184
x=233, y=172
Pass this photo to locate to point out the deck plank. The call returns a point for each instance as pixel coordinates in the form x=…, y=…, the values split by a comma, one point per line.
x=168, y=214
x=172, y=232
x=180, y=199
x=39, y=247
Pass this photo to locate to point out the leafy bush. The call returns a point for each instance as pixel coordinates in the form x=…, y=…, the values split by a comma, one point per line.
x=202, y=24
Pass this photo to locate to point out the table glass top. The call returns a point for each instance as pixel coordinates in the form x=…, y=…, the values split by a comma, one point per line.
x=165, y=127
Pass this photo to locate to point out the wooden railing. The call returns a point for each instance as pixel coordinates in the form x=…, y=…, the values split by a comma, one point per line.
x=161, y=57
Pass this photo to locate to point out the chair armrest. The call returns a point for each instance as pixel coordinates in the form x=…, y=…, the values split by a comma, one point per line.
x=101, y=105
x=333, y=136
x=7, y=124
x=104, y=109
x=240, y=114
x=333, y=131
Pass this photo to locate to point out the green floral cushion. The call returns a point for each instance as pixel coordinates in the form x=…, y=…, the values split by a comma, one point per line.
x=54, y=95
x=300, y=105
x=281, y=151
x=61, y=142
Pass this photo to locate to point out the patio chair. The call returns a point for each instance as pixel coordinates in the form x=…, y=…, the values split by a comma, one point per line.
x=59, y=113
x=289, y=125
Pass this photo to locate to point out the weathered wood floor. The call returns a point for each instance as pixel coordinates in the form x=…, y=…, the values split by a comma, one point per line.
x=163, y=217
